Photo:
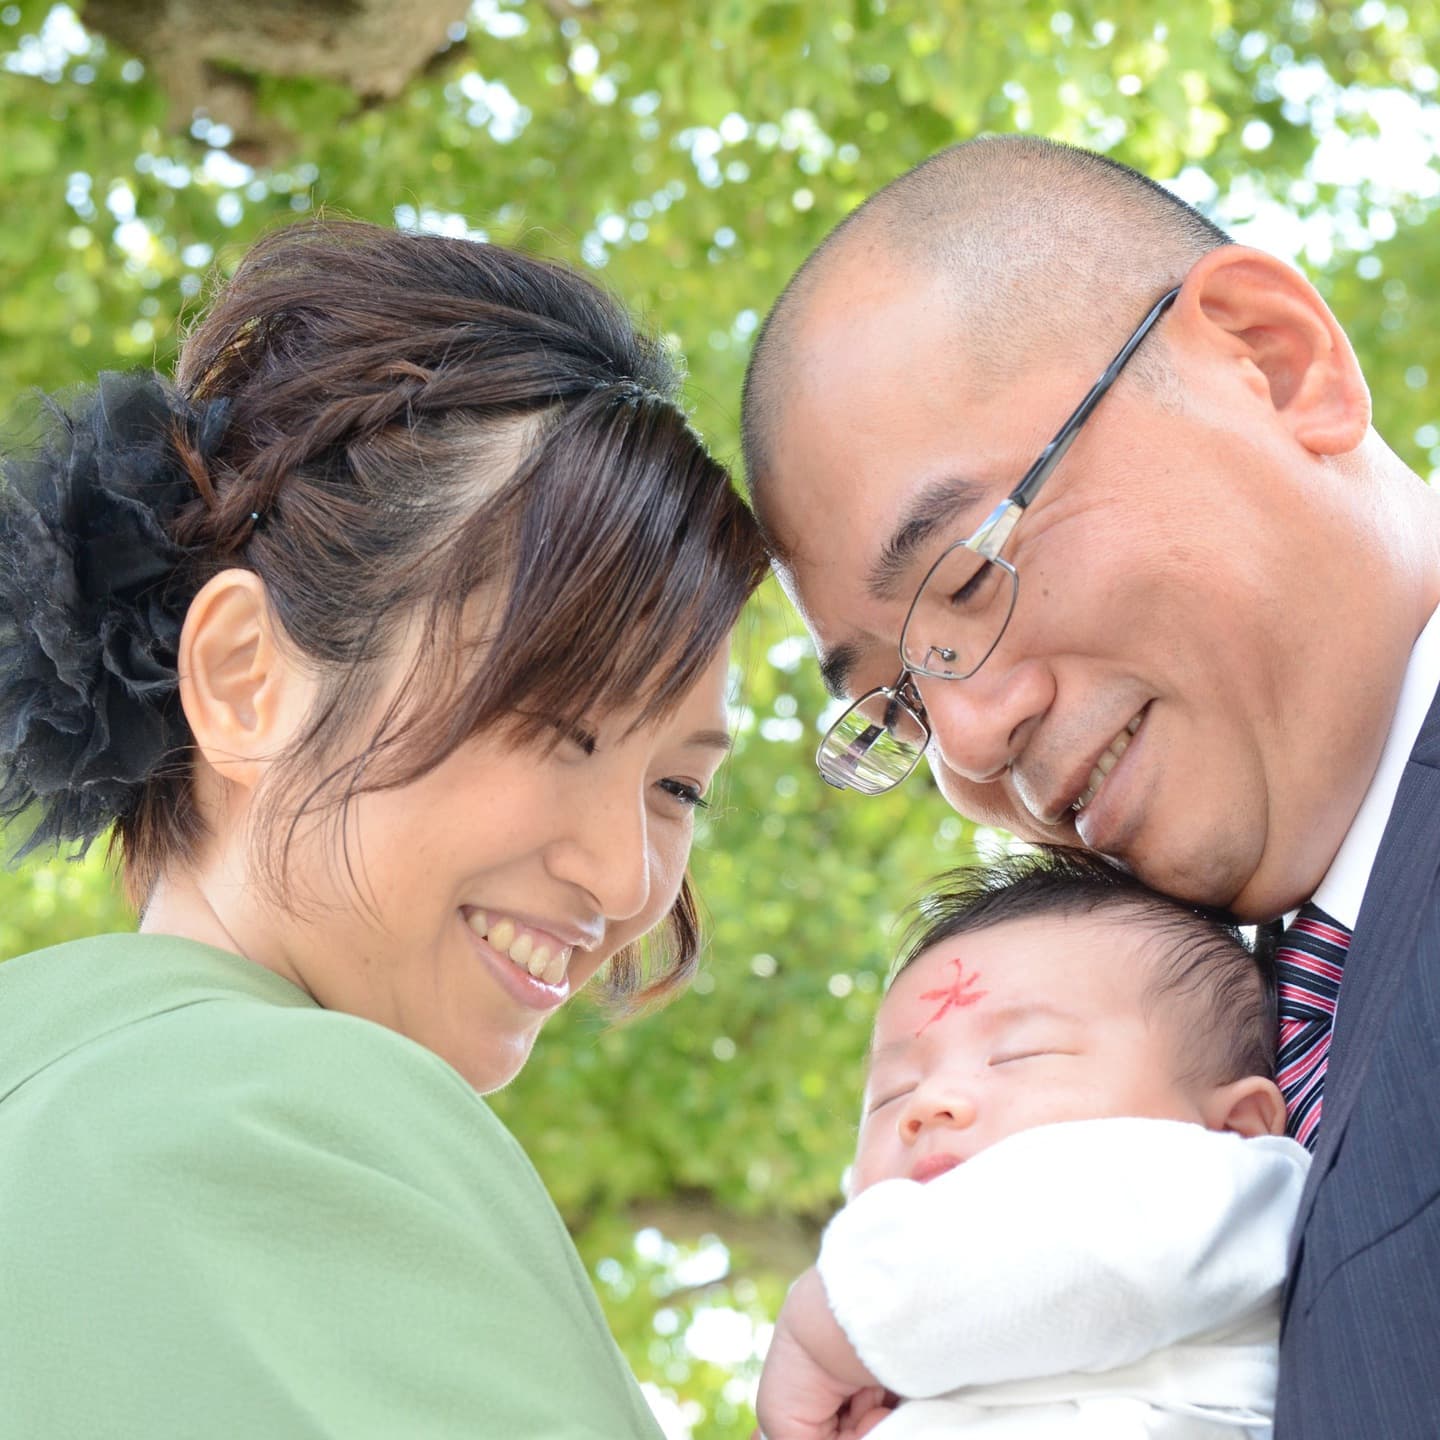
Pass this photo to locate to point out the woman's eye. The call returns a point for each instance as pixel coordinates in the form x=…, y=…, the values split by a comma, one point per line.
x=584, y=740
x=686, y=793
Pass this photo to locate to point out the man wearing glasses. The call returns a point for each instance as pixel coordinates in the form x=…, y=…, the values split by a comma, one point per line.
x=1183, y=618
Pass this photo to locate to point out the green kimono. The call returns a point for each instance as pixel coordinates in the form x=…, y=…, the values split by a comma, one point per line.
x=228, y=1213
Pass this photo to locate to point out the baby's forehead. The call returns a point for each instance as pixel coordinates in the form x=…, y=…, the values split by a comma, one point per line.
x=1074, y=965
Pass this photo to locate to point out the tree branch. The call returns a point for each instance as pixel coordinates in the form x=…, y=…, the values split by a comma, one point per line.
x=778, y=1245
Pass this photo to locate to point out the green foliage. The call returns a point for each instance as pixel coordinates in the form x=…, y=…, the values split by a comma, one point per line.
x=47, y=902
x=693, y=155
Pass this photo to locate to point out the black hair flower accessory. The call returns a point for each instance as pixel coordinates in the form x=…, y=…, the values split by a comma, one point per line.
x=90, y=616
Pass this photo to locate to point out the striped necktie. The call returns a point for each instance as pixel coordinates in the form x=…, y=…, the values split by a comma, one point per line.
x=1308, y=966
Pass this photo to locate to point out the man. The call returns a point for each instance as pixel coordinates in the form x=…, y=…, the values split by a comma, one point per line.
x=1194, y=635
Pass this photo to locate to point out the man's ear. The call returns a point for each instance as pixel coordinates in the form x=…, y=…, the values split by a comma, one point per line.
x=243, y=694
x=1258, y=312
x=1252, y=1106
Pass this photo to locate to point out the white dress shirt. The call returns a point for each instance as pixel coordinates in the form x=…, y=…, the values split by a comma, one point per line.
x=1343, y=888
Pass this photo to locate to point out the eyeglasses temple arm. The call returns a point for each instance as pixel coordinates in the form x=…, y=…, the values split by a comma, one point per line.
x=1054, y=452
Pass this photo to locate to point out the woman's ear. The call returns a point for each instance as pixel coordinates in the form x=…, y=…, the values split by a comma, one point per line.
x=1252, y=1106
x=1244, y=306
x=243, y=694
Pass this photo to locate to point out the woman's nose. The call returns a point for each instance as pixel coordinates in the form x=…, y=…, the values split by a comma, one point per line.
x=607, y=855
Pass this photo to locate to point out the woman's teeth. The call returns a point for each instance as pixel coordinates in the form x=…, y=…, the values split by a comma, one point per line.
x=505, y=936
x=1105, y=764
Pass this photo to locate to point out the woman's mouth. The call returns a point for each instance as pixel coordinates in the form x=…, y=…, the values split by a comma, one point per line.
x=539, y=955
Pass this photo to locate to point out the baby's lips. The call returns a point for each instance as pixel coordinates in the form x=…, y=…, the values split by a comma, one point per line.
x=932, y=1165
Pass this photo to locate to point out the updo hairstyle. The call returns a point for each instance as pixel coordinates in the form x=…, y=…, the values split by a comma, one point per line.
x=381, y=426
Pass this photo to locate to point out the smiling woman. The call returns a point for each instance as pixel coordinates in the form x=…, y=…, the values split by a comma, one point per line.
x=391, y=639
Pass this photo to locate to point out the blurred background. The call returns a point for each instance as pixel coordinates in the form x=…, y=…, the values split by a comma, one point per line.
x=690, y=155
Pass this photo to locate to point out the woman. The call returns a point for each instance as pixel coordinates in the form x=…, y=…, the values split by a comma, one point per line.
x=392, y=640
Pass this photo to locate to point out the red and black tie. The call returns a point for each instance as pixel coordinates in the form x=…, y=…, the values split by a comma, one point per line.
x=1308, y=964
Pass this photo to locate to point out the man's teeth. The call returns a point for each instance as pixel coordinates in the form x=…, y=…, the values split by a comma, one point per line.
x=1105, y=764
x=506, y=937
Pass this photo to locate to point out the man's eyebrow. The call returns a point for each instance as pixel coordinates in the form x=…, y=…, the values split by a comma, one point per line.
x=932, y=509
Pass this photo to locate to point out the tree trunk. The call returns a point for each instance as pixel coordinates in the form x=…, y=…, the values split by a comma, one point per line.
x=208, y=56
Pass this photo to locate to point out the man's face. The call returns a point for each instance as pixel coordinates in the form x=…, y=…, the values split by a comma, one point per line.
x=1175, y=574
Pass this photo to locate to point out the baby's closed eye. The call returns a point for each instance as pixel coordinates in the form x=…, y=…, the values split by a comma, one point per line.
x=889, y=1098
x=1010, y=1056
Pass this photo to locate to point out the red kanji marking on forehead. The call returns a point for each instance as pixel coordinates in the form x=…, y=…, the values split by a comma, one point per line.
x=959, y=993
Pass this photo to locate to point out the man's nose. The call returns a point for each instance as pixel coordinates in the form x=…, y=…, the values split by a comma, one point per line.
x=980, y=725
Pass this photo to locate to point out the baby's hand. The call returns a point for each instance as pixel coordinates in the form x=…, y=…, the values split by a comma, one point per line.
x=812, y=1374
x=798, y=1399
x=867, y=1408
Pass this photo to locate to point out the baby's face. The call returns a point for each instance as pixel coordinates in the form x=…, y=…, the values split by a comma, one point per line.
x=1003, y=1029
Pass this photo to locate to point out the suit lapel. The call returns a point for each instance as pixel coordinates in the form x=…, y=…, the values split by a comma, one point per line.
x=1383, y=947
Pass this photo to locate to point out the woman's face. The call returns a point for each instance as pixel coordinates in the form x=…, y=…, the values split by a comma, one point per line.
x=487, y=892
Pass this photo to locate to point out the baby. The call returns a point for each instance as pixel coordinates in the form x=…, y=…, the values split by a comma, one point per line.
x=1071, y=1199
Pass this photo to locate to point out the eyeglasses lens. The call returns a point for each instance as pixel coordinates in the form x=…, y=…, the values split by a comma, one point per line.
x=873, y=746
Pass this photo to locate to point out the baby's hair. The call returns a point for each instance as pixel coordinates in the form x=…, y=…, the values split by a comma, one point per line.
x=1196, y=954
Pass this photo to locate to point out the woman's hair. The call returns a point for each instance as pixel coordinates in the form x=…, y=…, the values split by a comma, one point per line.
x=380, y=425
x=1198, y=956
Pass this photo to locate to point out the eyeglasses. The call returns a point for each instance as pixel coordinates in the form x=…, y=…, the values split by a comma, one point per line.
x=956, y=619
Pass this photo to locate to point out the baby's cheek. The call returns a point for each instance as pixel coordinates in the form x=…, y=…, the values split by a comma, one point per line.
x=870, y=1166
x=1055, y=1105
x=1080, y=1103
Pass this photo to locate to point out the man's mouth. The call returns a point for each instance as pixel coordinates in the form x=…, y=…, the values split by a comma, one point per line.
x=1108, y=760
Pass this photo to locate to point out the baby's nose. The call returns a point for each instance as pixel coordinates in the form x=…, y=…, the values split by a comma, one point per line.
x=948, y=1111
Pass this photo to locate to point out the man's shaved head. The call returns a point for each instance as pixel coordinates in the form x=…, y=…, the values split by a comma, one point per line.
x=1027, y=243
x=1154, y=693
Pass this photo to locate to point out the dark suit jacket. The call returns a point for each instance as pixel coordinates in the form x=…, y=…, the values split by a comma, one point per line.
x=1360, y=1341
